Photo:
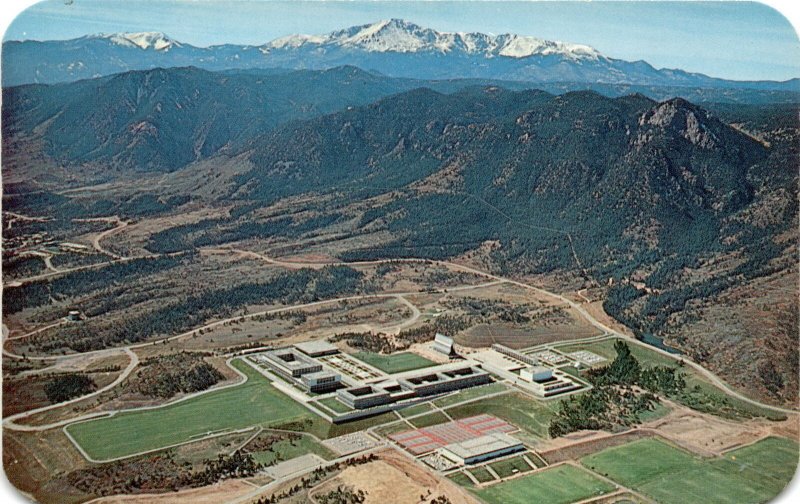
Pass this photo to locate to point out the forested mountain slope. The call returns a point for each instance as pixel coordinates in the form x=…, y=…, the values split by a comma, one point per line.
x=654, y=198
x=667, y=209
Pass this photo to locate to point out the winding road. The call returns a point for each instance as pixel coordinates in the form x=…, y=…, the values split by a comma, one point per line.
x=10, y=422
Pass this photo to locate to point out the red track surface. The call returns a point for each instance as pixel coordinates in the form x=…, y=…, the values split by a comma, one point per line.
x=427, y=439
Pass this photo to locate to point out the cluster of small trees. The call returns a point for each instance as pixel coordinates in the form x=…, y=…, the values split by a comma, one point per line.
x=369, y=341
x=342, y=495
x=316, y=476
x=267, y=442
x=68, y=386
x=304, y=285
x=211, y=232
x=159, y=472
x=622, y=391
x=41, y=293
x=445, y=324
x=166, y=375
x=485, y=309
x=238, y=465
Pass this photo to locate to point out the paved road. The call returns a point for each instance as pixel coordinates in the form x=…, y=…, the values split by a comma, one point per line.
x=10, y=422
x=494, y=279
x=580, y=309
x=120, y=225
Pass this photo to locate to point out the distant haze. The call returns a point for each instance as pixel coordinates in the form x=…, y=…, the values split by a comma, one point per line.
x=733, y=40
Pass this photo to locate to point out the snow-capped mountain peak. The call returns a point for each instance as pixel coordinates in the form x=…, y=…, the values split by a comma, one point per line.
x=143, y=40
x=398, y=35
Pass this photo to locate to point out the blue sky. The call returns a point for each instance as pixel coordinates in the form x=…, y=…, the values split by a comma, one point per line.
x=735, y=40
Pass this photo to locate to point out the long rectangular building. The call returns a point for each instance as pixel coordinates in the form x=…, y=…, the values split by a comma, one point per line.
x=437, y=382
x=527, y=359
x=420, y=383
x=481, y=448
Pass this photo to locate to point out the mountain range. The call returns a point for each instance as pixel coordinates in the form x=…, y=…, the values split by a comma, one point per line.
x=394, y=47
x=684, y=199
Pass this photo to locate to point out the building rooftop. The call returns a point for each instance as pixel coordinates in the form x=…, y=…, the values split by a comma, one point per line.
x=481, y=445
x=319, y=374
x=538, y=369
x=316, y=347
x=441, y=338
x=289, y=358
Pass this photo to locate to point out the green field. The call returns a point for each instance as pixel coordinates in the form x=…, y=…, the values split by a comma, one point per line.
x=751, y=474
x=417, y=409
x=395, y=363
x=255, y=402
x=470, y=393
x=335, y=405
x=461, y=479
x=434, y=418
x=526, y=413
x=715, y=399
x=559, y=485
x=286, y=450
x=505, y=468
x=482, y=474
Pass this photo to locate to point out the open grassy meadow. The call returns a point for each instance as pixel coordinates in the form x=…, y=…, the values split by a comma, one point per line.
x=255, y=402
x=417, y=409
x=482, y=474
x=471, y=393
x=510, y=466
x=434, y=418
x=558, y=485
x=752, y=474
x=289, y=449
x=395, y=363
x=528, y=414
x=461, y=479
x=335, y=405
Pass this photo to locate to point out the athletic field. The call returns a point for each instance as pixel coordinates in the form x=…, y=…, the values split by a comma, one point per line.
x=559, y=485
x=752, y=474
x=255, y=402
x=395, y=363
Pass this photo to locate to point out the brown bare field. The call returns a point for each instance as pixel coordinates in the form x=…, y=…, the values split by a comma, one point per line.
x=396, y=479
x=30, y=460
x=484, y=335
x=580, y=444
x=321, y=321
x=709, y=435
x=700, y=433
x=510, y=293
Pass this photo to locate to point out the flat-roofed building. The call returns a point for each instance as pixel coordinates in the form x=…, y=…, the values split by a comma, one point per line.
x=443, y=344
x=536, y=373
x=290, y=363
x=317, y=348
x=413, y=384
x=546, y=382
x=321, y=381
x=437, y=381
x=365, y=396
x=481, y=448
x=526, y=359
